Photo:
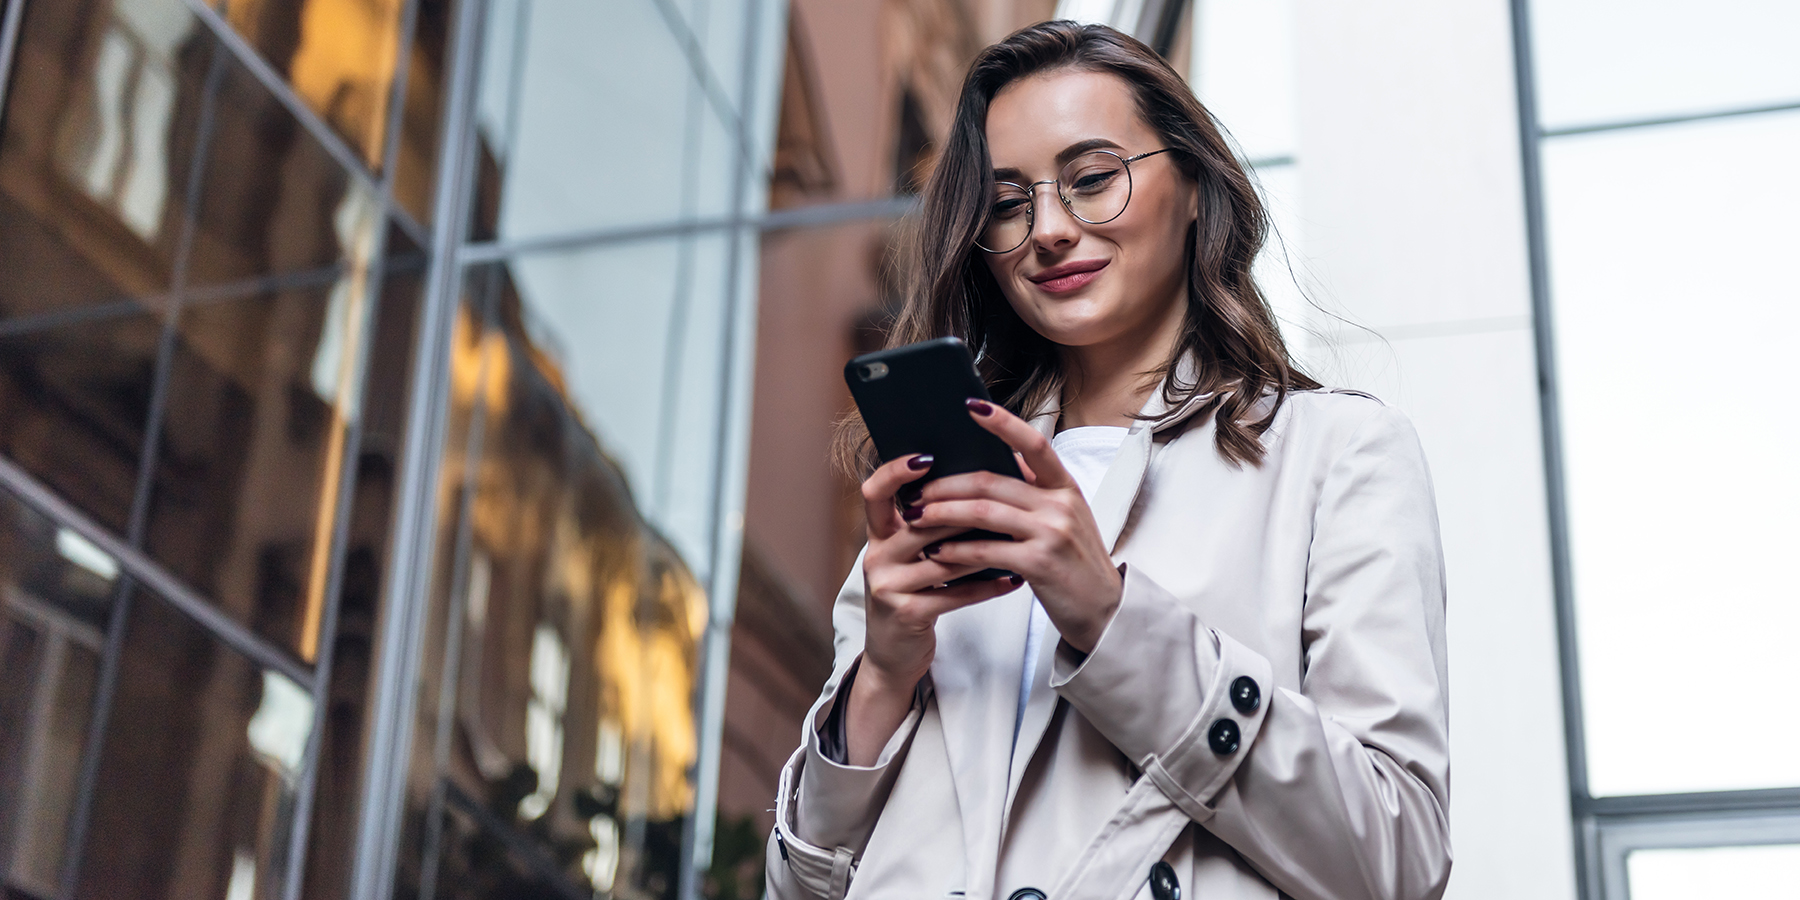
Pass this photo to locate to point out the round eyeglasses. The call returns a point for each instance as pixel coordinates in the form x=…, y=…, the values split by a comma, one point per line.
x=1094, y=187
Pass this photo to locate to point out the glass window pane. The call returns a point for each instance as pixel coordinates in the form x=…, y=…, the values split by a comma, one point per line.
x=1683, y=874
x=338, y=55
x=207, y=746
x=1620, y=60
x=56, y=590
x=567, y=637
x=1675, y=305
x=415, y=165
x=571, y=139
x=272, y=200
x=100, y=118
x=262, y=391
x=75, y=400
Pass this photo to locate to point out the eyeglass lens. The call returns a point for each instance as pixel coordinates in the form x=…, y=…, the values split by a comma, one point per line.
x=1094, y=187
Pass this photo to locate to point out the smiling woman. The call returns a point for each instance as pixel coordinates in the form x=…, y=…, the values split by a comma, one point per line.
x=1225, y=666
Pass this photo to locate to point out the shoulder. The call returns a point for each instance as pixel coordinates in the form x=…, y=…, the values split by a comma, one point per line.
x=1329, y=421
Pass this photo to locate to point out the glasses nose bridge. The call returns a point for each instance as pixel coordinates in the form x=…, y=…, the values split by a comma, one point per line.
x=1031, y=190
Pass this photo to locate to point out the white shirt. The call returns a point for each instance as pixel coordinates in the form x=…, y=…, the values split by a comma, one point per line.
x=1087, y=452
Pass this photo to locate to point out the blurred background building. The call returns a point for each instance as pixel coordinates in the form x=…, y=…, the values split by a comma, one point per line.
x=413, y=415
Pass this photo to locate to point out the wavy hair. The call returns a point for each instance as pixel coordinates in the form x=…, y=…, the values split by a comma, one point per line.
x=1228, y=329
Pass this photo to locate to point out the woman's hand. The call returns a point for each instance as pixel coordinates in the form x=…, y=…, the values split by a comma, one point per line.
x=1056, y=545
x=904, y=598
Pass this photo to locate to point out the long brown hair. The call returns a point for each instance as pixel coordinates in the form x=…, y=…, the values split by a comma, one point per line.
x=1229, y=328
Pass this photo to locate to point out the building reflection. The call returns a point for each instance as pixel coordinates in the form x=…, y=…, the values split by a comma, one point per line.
x=565, y=736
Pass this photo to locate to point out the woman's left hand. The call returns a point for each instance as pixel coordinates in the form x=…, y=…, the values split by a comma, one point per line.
x=1056, y=545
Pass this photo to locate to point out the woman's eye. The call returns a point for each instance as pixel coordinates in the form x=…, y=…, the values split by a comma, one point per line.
x=1093, y=180
x=1009, y=207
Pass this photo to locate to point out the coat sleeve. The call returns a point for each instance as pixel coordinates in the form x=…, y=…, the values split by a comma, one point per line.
x=824, y=810
x=1338, y=791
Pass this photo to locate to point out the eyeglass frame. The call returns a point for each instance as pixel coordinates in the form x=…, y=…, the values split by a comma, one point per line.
x=1030, y=191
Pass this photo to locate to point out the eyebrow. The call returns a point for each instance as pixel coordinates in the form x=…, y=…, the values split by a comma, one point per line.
x=1062, y=159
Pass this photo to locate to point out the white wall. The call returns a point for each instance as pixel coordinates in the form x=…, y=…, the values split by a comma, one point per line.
x=1411, y=223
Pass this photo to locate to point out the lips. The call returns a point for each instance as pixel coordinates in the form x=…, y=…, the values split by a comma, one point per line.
x=1069, y=276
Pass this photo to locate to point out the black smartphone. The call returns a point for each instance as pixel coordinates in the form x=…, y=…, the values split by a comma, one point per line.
x=914, y=400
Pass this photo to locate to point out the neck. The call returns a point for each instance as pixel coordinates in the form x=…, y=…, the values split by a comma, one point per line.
x=1108, y=383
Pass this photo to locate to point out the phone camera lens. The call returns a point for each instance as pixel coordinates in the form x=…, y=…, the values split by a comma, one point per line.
x=872, y=371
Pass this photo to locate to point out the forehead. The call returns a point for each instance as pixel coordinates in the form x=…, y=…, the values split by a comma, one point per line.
x=1033, y=119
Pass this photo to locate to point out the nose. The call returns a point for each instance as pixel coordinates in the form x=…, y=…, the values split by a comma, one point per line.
x=1052, y=225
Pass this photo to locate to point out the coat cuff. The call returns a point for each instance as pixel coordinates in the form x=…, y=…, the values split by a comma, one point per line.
x=1182, y=701
x=825, y=810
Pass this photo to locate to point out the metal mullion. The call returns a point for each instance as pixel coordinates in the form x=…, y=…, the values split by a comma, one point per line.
x=455, y=612
x=821, y=215
x=728, y=476
x=390, y=135
x=146, y=572
x=159, y=302
x=10, y=28
x=408, y=575
x=1589, y=884
x=375, y=282
x=1698, y=802
x=1622, y=124
x=259, y=68
x=107, y=680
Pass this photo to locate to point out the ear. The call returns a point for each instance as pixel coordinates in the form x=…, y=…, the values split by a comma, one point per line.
x=1193, y=198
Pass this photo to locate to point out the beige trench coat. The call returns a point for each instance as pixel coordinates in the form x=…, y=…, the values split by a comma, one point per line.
x=1317, y=575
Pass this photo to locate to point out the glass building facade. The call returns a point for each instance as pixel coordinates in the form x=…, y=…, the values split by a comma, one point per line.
x=373, y=391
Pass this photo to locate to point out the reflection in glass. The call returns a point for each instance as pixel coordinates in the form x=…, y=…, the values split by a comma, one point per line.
x=273, y=201
x=572, y=647
x=204, y=744
x=262, y=389
x=1620, y=60
x=415, y=165
x=339, y=783
x=339, y=55
x=74, y=402
x=100, y=114
x=1670, y=254
x=548, y=114
x=1682, y=874
x=56, y=590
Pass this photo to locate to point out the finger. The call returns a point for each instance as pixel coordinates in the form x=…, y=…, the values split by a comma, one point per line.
x=977, y=555
x=949, y=599
x=982, y=485
x=904, y=545
x=879, y=488
x=985, y=514
x=1025, y=468
x=1025, y=440
x=924, y=575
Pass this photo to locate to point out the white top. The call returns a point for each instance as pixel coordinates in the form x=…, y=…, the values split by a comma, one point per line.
x=1087, y=453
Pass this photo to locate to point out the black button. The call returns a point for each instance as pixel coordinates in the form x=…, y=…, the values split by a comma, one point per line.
x=1163, y=883
x=1245, y=695
x=1223, y=737
x=1027, y=893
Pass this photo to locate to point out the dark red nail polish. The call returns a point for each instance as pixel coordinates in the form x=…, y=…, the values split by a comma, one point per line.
x=932, y=548
x=1015, y=580
x=979, y=407
x=921, y=462
x=911, y=513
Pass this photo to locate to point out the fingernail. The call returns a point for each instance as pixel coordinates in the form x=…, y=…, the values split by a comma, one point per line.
x=1015, y=580
x=932, y=548
x=911, y=513
x=979, y=407
x=921, y=462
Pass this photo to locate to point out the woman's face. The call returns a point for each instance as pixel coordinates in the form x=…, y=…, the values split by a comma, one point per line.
x=1123, y=282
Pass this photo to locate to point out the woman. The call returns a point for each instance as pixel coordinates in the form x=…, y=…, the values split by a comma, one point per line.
x=1223, y=676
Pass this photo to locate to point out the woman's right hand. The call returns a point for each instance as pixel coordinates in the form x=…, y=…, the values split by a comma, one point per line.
x=903, y=595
